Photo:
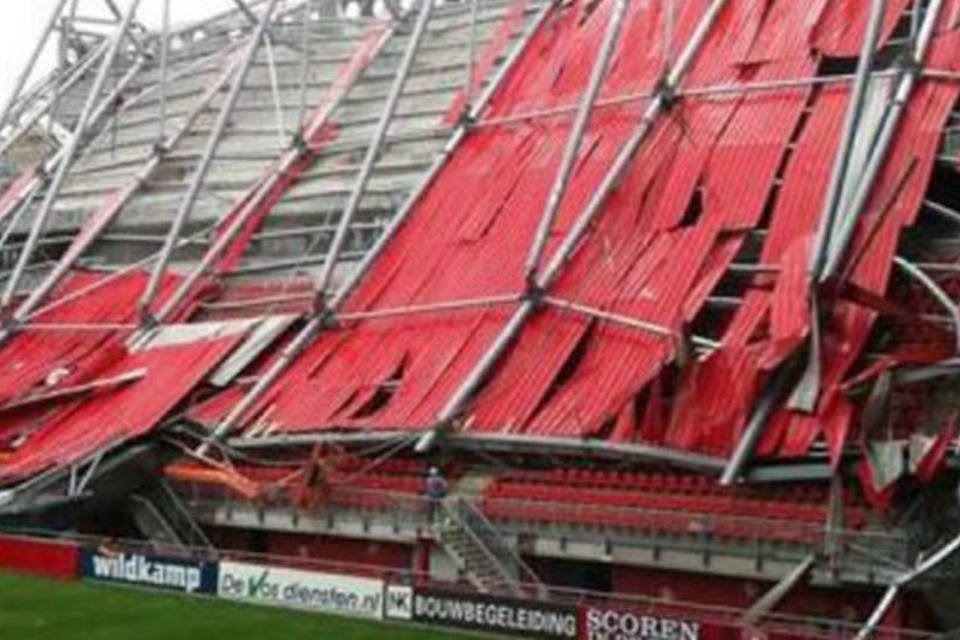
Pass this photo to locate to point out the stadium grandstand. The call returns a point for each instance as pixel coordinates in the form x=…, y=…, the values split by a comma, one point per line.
x=646, y=306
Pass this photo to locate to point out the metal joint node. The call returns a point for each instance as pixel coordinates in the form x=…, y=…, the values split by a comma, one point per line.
x=668, y=94
x=298, y=142
x=318, y=305
x=466, y=119
x=535, y=294
x=329, y=321
x=8, y=324
x=910, y=65
x=147, y=319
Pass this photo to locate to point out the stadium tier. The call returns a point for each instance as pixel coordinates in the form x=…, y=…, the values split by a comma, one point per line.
x=597, y=294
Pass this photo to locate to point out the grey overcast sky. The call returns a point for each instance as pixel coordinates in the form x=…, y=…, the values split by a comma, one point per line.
x=21, y=23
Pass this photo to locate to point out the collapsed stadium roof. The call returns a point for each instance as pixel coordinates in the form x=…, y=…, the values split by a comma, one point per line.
x=713, y=233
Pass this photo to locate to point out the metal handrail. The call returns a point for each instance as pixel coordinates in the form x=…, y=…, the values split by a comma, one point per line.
x=474, y=519
x=507, y=580
x=705, y=613
x=700, y=522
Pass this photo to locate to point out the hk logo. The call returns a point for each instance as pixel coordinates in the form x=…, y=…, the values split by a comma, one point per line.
x=399, y=602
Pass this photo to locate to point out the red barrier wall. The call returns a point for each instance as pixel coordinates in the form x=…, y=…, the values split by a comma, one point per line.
x=52, y=559
x=333, y=549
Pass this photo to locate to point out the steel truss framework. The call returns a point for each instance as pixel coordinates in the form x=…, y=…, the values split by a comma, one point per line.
x=117, y=66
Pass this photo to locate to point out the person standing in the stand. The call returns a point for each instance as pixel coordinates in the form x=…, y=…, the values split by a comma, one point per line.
x=436, y=490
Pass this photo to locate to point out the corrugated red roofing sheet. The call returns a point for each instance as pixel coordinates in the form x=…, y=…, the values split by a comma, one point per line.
x=722, y=173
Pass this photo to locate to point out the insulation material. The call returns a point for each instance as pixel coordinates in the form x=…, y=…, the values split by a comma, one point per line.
x=173, y=368
x=101, y=218
x=246, y=217
x=232, y=299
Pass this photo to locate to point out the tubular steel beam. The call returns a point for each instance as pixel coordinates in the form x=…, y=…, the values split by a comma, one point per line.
x=921, y=568
x=805, y=395
x=199, y=176
x=373, y=152
x=221, y=243
x=841, y=163
x=754, y=429
x=769, y=600
x=453, y=305
x=31, y=62
x=689, y=92
x=574, y=140
x=633, y=323
x=942, y=297
x=844, y=225
x=246, y=11
x=79, y=70
x=164, y=64
x=317, y=322
x=304, y=66
x=471, y=57
x=53, y=190
x=82, y=242
x=659, y=104
x=275, y=90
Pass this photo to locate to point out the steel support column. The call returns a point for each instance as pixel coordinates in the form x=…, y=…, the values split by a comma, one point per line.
x=841, y=162
x=844, y=226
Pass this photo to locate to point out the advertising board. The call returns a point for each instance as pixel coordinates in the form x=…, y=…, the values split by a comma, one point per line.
x=158, y=572
x=495, y=614
x=281, y=586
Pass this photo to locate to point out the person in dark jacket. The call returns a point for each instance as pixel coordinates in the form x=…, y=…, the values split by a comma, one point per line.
x=436, y=490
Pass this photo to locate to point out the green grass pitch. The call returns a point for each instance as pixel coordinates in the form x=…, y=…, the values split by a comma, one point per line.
x=38, y=609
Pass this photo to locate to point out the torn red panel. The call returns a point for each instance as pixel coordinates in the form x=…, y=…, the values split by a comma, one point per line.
x=173, y=367
x=928, y=455
x=848, y=325
x=17, y=190
x=43, y=359
x=509, y=27
x=793, y=222
x=651, y=277
x=842, y=25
